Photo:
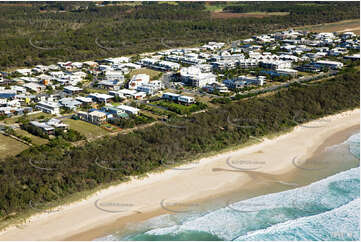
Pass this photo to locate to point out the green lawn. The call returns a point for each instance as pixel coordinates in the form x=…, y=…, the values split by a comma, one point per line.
x=97, y=90
x=10, y=146
x=87, y=129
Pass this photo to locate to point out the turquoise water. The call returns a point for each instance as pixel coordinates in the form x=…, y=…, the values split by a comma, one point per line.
x=328, y=209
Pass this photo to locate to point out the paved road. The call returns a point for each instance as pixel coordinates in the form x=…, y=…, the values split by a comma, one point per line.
x=167, y=84
x=299, y=80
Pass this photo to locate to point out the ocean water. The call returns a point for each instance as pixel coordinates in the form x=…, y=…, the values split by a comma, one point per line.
x=328, y=209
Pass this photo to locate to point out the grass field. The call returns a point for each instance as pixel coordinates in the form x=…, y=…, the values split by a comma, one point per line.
x=152, y=73
x=34, y=139
x=352, y=25
x=87, y=129
x=10, y=146
x=97, y=90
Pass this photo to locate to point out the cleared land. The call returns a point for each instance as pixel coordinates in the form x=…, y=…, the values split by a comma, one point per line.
x=10, y=146
x=87, y=129
x=248, y=15
x=219, y=7
x=34, y=139
x=152, y=73
x=352, y=25
x=31, y=117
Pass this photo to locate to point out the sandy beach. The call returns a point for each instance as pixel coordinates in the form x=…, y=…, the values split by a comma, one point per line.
x=179, y=187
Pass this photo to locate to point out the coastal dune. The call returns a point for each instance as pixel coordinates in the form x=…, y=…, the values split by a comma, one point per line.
x=176, y=189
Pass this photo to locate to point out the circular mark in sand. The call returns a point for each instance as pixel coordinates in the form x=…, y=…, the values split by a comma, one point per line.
x=113, y=207
x=173, y=165
x=311, y=167
x=178, y=207
x=245, y=165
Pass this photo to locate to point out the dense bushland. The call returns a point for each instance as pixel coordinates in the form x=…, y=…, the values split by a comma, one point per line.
x=45, y=32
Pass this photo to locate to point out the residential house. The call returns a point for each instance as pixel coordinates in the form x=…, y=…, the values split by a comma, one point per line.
x=70, y=103
x=128, y=109
x=178, y=98
x=114, y=75
x=44, y=127
x=85, y=100
x=110, y=84
x=24, y=72
x=48, y=107
x=99, y=97
x=95, y=117
x=116, y=112
x=34, y=87
x=216, y=87
x=151, y=88
x=72, y=89
x=57, y=123
x=138, y=80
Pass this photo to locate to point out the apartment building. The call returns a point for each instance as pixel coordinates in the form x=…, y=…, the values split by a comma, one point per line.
x=329, y=64
x=193, y=76
x=278, y=64
x=243, y=81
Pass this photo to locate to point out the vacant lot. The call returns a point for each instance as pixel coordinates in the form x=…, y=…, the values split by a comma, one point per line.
x=87, y=129
x=35, y=116
x=10, y=146
x=352, y=25
x=248, y=15
x=154, y=75
x=36, y=140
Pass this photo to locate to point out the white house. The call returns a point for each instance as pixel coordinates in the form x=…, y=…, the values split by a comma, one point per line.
x=100, y=97
x=151, y=88
x=216, y=87
x=128, y=109
x=72, y=89
x=114, y=75
x=178, y=98
x=35, y=87
x=289, y=72
x=138, y=80
x=330, y=64
x=48, y=107
x=24, y=72
x=77, y=65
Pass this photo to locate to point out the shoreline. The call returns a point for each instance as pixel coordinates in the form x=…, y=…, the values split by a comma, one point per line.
x=83, y=220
